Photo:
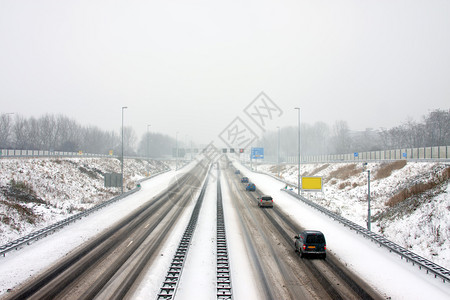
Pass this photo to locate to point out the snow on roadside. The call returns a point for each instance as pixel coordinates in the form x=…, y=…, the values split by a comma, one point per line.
x=386, y=272
x=19, y=266
x=425, y=230
x=394, y=277
x=59, y=188
x=202, y=251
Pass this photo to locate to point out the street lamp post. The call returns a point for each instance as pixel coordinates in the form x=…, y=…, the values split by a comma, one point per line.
x=124, y=107
x=368, y=200
x=278, y=154
x=186, y=145
x=176, y=140
x=148, y=154
x=299, y=149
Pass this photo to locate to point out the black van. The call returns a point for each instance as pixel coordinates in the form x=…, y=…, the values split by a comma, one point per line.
x=311, y=242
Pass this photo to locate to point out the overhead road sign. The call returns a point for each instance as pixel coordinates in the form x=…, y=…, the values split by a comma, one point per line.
x=257, y=153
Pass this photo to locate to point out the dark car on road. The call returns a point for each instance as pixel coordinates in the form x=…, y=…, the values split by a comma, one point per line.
x=250, y=187
x=237, y=172
x=265, y=201
x=311, y=242
x=244, y=179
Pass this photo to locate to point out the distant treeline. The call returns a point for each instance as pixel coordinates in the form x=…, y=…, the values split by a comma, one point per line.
x=59, y=133
x=320, y=138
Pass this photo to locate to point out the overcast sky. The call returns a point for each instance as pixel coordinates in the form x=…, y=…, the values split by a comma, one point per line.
x=192, y=67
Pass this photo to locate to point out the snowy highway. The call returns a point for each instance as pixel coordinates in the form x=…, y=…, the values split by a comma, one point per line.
x=110, y=264
x=268, y=237
x=263, y=263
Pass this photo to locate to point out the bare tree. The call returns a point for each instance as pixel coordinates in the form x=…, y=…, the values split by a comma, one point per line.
x=341, y=137
x=5, y=130
x=437, y=126
x=20, y=130
x=414, y=134
x=69, y=138
x=94, y=140
x=159, y=145
x=367, y=140
x=48, y=131
x=34, y=135
x=129, y=140
x=320, y=138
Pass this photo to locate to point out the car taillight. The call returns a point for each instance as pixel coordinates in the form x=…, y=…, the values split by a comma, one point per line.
x=325, y=247
x=304, y=246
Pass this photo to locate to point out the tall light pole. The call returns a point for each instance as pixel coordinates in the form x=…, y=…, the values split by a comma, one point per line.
x=299, y=156
x=147, y=142
x=186, y=145
x=176, y=140
x=123, y=107
x=368, y=200
x=278, y=154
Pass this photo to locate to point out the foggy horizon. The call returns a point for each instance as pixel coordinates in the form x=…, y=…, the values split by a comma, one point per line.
x=195, y=68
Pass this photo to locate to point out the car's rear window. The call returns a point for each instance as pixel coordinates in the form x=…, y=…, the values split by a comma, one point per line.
x=267, y=198
x=315, y=239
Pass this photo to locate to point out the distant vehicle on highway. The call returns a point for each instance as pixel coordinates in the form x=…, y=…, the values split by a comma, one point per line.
x=237, y=172
x=311, y=242
x=244, y=179
x=250, y=187
x=265, y=201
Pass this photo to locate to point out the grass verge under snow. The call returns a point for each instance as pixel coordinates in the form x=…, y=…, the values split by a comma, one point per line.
x=35, y=193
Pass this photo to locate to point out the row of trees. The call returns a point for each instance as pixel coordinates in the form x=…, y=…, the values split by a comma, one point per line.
x=51, y=132
x=433, y=131
x=321, y=138
x=57, y=132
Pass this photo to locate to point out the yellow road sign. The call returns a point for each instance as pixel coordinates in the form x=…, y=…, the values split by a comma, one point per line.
x=312, y=184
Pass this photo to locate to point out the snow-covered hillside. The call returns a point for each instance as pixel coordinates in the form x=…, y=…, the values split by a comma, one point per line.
x=410, y=202
x=37, y=192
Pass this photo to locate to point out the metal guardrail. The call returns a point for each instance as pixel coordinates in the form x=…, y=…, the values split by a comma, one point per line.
x=422, y=154
x=422, y=262
x=23, y=153
x=223, y=265
x=429, y=266
x=16, y=153
x=36, y=235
